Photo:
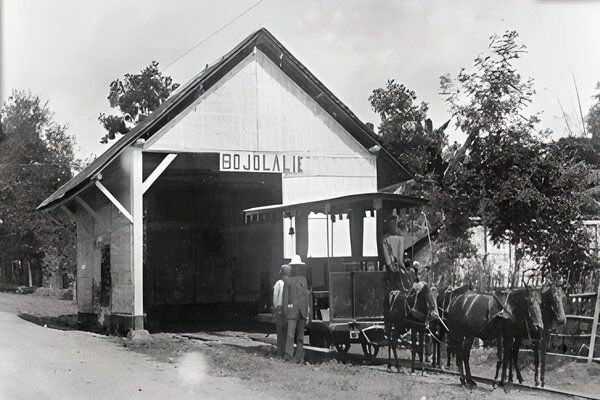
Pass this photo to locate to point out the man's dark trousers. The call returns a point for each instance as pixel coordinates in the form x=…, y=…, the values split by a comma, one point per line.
x=281, y=325
x=295, y=334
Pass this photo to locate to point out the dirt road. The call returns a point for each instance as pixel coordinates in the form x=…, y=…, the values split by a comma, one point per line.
x=42, y=363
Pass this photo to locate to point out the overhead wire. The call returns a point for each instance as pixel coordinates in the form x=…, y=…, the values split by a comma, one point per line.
x=212, y=34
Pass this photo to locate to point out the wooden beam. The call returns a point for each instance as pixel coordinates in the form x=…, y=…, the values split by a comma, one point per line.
x=137, y=239
x=90, y=211
x=73, y=218
x=113, y=200
x=594, y=328
x=55, y=221
x=69, y=214
x=158, y=171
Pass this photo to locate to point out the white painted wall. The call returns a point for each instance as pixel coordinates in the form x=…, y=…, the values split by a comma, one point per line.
x=258, y=108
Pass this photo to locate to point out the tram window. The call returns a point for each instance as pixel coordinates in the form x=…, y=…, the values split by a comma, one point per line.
x=339, y=235
x=370, y=236
x=317, y=235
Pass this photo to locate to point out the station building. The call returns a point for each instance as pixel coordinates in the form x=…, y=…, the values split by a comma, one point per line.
x=160, y=227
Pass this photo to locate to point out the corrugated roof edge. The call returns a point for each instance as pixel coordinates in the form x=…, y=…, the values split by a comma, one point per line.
x=79, y=180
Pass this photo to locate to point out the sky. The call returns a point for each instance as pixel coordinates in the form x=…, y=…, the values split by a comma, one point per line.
x=68, y=51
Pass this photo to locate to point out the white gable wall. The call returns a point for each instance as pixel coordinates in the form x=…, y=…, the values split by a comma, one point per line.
x=256, y=107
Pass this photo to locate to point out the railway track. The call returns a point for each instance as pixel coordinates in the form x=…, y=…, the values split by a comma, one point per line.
x=360, y=359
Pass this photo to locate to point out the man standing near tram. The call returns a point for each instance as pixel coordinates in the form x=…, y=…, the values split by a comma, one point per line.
x=280, y=308
x=297, y=310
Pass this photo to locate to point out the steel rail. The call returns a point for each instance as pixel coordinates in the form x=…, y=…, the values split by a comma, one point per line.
x=407, y=363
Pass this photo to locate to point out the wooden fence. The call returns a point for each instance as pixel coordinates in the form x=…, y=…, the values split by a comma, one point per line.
x=578, y=322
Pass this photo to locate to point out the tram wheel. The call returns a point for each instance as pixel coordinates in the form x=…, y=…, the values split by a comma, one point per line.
x=370, y=350
x=342, y=347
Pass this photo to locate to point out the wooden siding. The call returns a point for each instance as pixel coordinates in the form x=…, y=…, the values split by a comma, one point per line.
x=258, y=108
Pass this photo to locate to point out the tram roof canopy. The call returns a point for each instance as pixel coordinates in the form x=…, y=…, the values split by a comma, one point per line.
x=340, y=205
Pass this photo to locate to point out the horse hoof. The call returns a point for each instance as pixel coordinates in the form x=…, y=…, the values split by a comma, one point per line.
x=462, y=382
x=537, y=384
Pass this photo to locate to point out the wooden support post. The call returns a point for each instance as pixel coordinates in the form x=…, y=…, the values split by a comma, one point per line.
x=158, y=171
x=302, y=234
x=594, y=327
x=356, y=232
x=113, y=200
x=137, y=238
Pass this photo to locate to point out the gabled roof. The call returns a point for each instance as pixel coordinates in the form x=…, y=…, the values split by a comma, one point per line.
x=188, y=93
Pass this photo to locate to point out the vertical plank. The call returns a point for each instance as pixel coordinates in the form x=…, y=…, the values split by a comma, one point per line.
x=594, y=327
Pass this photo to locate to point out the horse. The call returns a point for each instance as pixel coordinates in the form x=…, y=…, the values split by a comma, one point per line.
x=438, y=332
x=488, y=317
x=553, y=316
x=525, y=307
x=401, y=310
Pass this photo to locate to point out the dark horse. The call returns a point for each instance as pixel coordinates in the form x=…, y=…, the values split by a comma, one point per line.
x=488, y=317
x=402, y=310
x=553, y=316
x=438, y=331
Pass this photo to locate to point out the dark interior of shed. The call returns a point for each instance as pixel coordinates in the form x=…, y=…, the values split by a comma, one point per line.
x=202, y=263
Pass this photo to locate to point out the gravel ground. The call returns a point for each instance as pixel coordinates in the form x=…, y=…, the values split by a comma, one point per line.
x=236, y=355
x=41, y=306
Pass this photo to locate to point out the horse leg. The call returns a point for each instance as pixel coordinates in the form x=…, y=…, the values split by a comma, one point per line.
x=422, y=349
x=466, y=355
x=515, y=359
x=449, y=352
x=536, y=361
x=413, y=349
x=544, y=346
x=395, y=335
x=389, y=332
x=498, y=360
x=391, y=348
x=434, y=352
x=456, y=342
x=507, y=345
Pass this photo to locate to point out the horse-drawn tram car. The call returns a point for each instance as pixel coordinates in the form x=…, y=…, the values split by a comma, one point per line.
x=348, y=243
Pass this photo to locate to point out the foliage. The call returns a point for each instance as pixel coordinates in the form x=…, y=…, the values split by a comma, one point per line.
x=136, y=96
x=405, y=129
x=522, y=188
x=36, y=156
x=593, y=116
x=408, y=134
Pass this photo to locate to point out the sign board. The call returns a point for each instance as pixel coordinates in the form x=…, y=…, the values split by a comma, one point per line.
x=243, y=161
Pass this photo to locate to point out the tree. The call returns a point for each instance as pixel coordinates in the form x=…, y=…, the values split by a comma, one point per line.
x=505, y=173
x=405, y=129
x=36, y=157
x=593, y=116
x=136, y=96
x=409, y=135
